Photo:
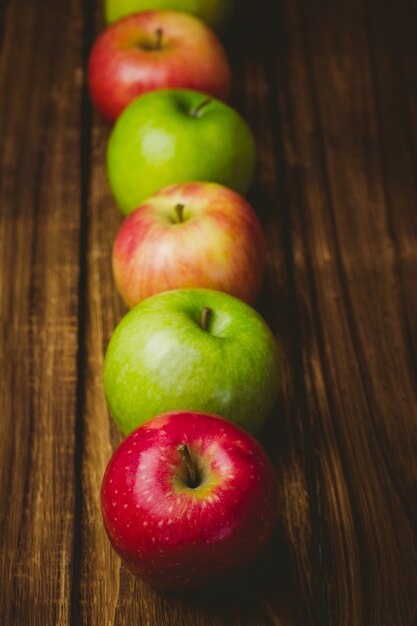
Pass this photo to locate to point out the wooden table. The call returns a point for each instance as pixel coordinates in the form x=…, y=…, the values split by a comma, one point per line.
x=330, y=90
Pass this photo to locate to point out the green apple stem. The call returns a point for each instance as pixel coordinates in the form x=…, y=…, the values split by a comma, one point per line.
x=179, y=210
x=197, y=111
x=192, y=473
x=205, y=317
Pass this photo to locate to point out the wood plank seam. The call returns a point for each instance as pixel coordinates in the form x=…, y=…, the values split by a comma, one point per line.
x=85, y=161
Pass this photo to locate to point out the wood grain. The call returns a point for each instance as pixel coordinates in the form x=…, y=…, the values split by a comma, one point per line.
x=330, y=92
x=357, y=360
x=40, y=75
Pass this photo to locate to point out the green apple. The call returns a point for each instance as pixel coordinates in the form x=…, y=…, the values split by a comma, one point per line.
x=174, y=136
x=215, y=12
x=192, y=349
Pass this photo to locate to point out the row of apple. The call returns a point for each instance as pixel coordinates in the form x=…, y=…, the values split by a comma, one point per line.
x=188, y=497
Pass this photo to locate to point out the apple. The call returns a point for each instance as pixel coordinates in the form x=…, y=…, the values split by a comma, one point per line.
x=175, y=136
x=188, y=499
x=153, y=50
x=195, y=349
x=190, y=235
x=215, y=12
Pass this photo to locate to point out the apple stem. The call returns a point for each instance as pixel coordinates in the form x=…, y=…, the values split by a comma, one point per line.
x=205, y=317
x=179, y=210
x=196, y=112
x=192, y=476
x=158, y=41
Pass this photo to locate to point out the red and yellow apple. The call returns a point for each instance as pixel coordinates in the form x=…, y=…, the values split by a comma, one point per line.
x=190, y=235
x=188, y=499
x=154, y=50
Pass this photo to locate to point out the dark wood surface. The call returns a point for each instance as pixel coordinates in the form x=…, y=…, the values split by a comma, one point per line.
x=330, y=90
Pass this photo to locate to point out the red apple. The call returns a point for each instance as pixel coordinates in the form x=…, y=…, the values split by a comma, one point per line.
x=190, y=235
x=153, y=50
x=188, y=499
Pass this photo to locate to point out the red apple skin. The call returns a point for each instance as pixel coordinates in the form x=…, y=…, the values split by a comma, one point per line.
x=179, y=538
x=123, y=64
x=220, y=245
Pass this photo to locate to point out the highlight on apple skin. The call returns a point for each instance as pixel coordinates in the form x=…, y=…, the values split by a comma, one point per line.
x=190, y=235
x=155, y=50
x=188, y=499
x=172, y=136
x=194, y=349
x=216, y=13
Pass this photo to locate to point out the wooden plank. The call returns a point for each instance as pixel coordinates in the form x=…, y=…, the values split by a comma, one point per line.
x=280, y=590
x=396, y=137
x=40, y=185
x=356, y=353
